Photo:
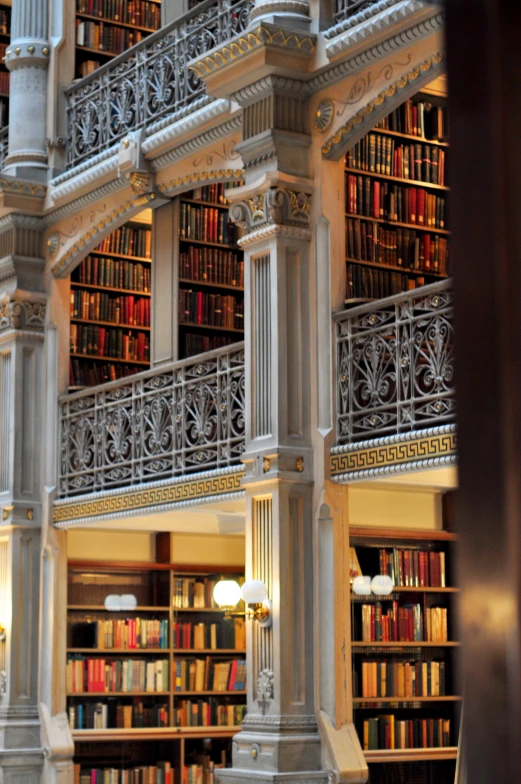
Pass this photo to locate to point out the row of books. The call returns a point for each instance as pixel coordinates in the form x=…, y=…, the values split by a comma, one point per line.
x=135, y=12
x=106, y=37
x=364, y=283
x=5, y=21
x=196, y=592
x=212, y=266
x=418, y=118
x=210, y=636
x=215, y=310
x=98, y=306
x=402, y=679
x=215, y=193
x=383, y=155
x=87, y=67
x=108, y=342
x=209, y=675
x=113, y=715
x=131, y=634
x=114, y=273
x=416, y=568
x=128, y=242
x=4, y=82
x=207, y=224
x=133, y=675
x=388, y=732
x=368, y=241
x=201, y=774
x=160, y=773
x=408, y=623
x=385, y=201
x=4, y=114
x=198, y=344
x=208, y=713
x=90, y=374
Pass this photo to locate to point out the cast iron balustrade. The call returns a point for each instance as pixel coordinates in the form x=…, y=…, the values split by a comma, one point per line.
x=164, y=423
x=363, y=9
x=150, y=81
x=395, y=364
x=4, y=144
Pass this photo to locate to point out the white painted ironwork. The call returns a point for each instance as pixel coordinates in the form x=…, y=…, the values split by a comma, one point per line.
x=361, y=9
x=4, y=144
x=149, y=82
x=179, y=419
x=395, y=364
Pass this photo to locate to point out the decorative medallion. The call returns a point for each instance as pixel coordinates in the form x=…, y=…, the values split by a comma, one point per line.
x=324, y=115
x=53, y=243
x=265, y=690
x=300, y=204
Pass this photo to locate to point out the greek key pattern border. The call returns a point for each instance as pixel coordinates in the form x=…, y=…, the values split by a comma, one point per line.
x=381, y=458
x=146, y=497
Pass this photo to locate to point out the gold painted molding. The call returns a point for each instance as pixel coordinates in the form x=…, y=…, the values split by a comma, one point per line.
x=380, y=458
x=146, y=497
x=203, y=176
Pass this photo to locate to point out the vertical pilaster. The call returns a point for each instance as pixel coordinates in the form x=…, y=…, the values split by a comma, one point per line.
x=27, y=58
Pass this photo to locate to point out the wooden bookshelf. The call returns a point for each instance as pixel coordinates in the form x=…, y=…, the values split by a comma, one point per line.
x=159, y=588
x=404, y=689
x=392, y=177
x=110, y=308
x=5, y=36
x=103, y=32
x=211, y=273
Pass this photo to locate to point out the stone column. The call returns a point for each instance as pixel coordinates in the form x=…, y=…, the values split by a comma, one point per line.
x=27, y=58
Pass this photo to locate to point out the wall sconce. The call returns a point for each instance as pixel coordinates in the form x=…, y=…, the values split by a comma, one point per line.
x=381, y=585
x=227, y=594
x=124, y=603
x=3, y=633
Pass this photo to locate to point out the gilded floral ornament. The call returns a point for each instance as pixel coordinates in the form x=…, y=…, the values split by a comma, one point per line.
x=265, y=690
x=139, y=181
x=324, y=115
x=53, y=243
x=219, y=175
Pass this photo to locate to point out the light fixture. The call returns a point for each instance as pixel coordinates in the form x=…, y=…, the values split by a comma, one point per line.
x=120, y=603
x=381, y=585
x=255, y=595
x=227, y=594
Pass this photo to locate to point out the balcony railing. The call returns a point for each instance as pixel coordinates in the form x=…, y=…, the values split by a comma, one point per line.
x=150, y=81
x=179, y=419
x=395, y=365
x=356, y=11
x=4, y=144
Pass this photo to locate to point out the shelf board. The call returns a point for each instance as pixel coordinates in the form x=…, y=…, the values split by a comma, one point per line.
x=400, y=534
x=198, y=609
x=409, y=136
x=205, y=203
x=404, y=589
x=145, y=363
x=402, y=180
x=210, y=244
x=152, y=733
x=190, y=325
x=401, y=644
x=208, y=284
x=411, y=755
x=76, y=284
x=208, y=651
x=101, y=52
x=121, y=256
x=101, y=607
x=119, y=651
x=388, y=222
x=119, y=694
x=208, y=693
x=375, y=702
x=397, y=268
x=109, y=324
x=127, y=25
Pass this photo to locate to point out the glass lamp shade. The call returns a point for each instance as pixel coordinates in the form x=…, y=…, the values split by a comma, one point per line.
x=113, y=602
x=128, y=601
x=382, y=585
x=362, y=585
x=227, y=593
x=254, y=592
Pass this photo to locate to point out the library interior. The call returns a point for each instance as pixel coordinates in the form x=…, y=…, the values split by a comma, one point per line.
x=230, y=483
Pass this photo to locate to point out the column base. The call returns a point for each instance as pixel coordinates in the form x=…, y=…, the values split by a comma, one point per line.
x=238, y=776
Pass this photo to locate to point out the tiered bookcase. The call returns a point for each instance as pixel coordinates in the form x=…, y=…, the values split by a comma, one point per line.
x=159, y=589
x=106, y=28
x=384, y=688
x=110, y=309
x=395, y=201
x=5, y=36
x=211, y=273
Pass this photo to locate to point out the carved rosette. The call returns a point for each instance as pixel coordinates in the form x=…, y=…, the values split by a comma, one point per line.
x=276, y=211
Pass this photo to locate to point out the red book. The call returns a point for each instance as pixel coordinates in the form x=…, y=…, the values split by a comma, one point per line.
x=420, y=206
x=376, y=199
x=233, y=673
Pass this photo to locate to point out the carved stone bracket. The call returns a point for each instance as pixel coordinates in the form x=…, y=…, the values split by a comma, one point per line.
x=22, y=315
x=276, y=211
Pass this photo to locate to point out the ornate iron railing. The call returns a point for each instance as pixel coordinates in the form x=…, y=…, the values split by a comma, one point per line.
x=362, y=9
x=4, y=144
x=395, y=365
x=150, y=81
x=186, y=417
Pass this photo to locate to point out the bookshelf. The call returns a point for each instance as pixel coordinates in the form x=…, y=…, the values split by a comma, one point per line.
x=106, y=28
x=171, y=669
x=211, y=273
x=395, y=200
x=110, y=304
x=405, y=707
x=5, y=36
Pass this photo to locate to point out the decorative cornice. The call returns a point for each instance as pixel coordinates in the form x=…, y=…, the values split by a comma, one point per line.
x=160, y=496
x=81, y=167
x=196, y=115
x=88, y=238
x=82, y=176
x=394, y=454
x=200, y=107
x=269, y=84
x=373, y=19
x=83, y=201
x=274, y=230
x=22, y=187
x=378, y=105
x=16, y=220
x=179, y=183
x=395, y=43
x=251, y=722
x=262, y=36
x=192, y=145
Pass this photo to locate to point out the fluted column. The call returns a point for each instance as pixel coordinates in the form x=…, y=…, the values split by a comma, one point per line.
x=27, y=58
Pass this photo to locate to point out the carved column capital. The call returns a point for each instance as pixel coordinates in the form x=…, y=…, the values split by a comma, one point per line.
x=277, y=210
x=22, y=313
